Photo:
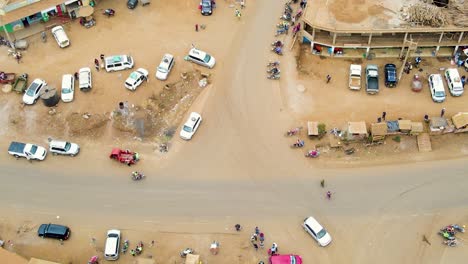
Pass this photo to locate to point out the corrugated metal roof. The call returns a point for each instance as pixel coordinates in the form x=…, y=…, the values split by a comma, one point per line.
x=29, y=10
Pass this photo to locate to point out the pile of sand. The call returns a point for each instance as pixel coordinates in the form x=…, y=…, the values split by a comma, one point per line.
x=84, y=123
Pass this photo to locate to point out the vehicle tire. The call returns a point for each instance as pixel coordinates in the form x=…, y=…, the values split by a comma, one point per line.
x=53, y=153
x=16, y=156
x=72, y=155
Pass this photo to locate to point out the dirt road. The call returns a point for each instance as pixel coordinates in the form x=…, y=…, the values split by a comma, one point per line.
x=237, y=170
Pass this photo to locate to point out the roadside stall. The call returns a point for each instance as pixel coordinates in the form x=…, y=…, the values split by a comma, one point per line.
x=437, y=125
x=312, y=129
x=378, y=131
x=416, y=128
x=460, y=121
x=356, y=130
x=404, y=126
x=192, y=259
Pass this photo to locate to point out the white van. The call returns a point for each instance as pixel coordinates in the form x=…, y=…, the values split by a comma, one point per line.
x=111, y=250
x=68, y=87
x=436, y=86
x=118, y=63
x=202, y=58
x=84, y=79
x=454, y=83
x=60, y=36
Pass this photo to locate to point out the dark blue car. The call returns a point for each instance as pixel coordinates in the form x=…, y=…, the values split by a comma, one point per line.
x=390, y=75
x=206, y=7
x=54, y=231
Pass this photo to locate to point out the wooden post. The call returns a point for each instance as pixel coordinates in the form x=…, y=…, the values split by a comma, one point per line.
x=411, y=46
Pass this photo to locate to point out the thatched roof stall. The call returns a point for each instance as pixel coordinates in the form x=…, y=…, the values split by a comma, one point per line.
x=312, y=128
x=378, y=131
x=404, y=125
x=460, y=120
x=417, y=128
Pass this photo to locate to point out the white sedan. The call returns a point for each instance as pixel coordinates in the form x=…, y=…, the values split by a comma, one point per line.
x=319, y=233
x=68, y=87
x=165, y=67
x=190, y=126
x=33, y=92
x=136, y=78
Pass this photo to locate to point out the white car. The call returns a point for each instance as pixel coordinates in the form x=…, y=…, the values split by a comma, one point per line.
x=319, y=233
x=165, y=67
x=84, y=79
x=202, y=58
x=63, y=148
x=33, y=91
x=136, y=78
x=68, y=87
x=60, y=36
x=112, y=247
x=190, y=126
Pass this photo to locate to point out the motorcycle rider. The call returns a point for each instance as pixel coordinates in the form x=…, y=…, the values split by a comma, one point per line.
x=278, y=50
x=328, y=194
x=274, y=71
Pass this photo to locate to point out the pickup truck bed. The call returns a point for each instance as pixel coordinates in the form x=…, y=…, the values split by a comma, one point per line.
x=355, y=81
x=16, y=147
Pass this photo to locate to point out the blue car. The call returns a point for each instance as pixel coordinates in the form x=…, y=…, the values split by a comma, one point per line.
x=206, y=7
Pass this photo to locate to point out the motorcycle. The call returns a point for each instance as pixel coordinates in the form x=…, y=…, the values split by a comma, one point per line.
x=287, y=7
x=281, y=31
x=286, y=16
x=417, y=61
x=273, y=64
x=446, y=235
x=459, y=228
x=298, y=144
x=139, y=248
x=93, y=260
x=293, y=132
x=277, y=50
x=277, y=43
x=109, y=12
x=312, y=154
x=450, y=243
x=136, y=176
x=284, y=25
x=125, y=246
x=274, y=76
x=274, y=70
x=186, y=251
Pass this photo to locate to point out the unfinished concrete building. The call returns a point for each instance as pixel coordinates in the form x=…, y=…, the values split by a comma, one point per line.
x=370, y=29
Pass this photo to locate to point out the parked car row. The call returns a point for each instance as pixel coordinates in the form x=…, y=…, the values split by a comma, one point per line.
x=436, y=84
x=35, y=152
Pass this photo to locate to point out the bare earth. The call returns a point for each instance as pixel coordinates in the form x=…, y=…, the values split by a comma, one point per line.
x=238, y=168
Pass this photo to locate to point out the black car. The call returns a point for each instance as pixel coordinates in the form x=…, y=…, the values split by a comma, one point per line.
x=54, y=231
x=390, y=75
x=206, y=7
x=131, y=4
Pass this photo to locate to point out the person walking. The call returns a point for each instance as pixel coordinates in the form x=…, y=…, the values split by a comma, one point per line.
x=255, y=246
x=328, y=78
x=322, y=183
x=379, y=120
x=238, y=227
x=384, y=114
x=426, y=118
x=96, y=64
x=463, y=80
x=238, y=13
x=442, y=112
x=257, y=230
x=196, y=27
x=102, y=58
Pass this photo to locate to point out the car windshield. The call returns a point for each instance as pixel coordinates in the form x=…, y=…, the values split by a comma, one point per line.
x=67, y=146
x=66, y=90
x=322, y=233
x=134, y=75
x=33, y=149
x=32, y=89
x=207, y=58
x=188, y=129
x=162, y=69
x=439, y=94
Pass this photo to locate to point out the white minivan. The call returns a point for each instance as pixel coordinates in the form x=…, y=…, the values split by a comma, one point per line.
x=60, y=36
x=84, y=79
x=118, y=63
x=200, y=57
x=454, y=83
x=111, y=250
x=436, y=87
x=68, y=87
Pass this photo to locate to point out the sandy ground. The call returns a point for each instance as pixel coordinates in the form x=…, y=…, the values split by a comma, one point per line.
x=238, y=168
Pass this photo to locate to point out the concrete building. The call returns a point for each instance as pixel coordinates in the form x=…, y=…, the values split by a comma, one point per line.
x=364, y=28
x=33, y=15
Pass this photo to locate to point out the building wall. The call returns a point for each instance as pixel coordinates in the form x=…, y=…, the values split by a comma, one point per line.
x=385, y=44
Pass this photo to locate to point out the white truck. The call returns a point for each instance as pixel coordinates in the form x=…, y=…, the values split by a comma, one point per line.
x=26, y=150
x=355, y=77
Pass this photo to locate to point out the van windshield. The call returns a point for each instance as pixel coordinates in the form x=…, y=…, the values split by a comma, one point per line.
x=207, y=58
x=439, y=94
x=33, y=149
